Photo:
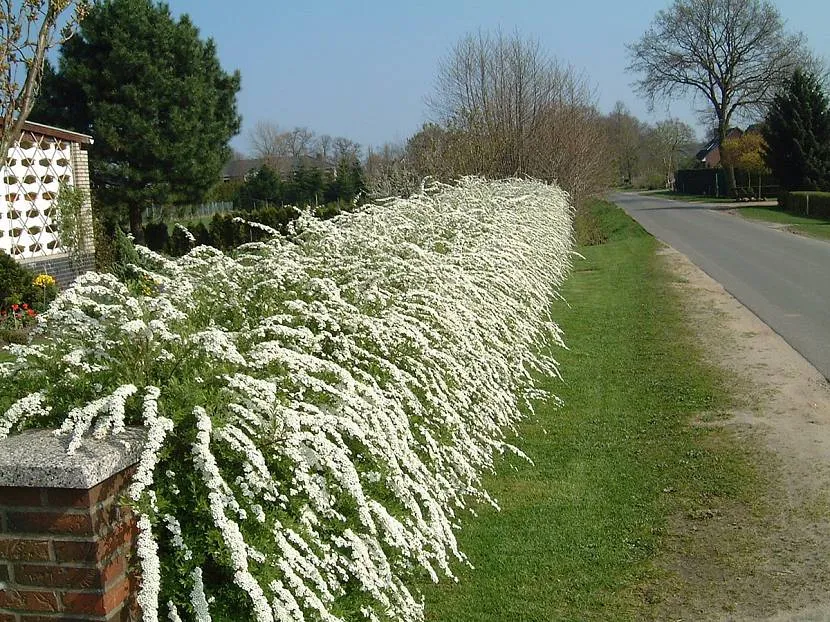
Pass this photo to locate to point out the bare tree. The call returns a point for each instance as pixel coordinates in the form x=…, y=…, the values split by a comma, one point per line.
x=300, y=140
x=626, y=134
x=513, y=110
x=346, y=148
x=435, y=151
x=388, y=173
x=323, y=145
x=267, y=140
x=570, y=146
x=734, y=54
x=668, y=140
x=28, y=29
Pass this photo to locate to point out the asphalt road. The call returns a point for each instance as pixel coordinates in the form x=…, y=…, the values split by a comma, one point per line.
x=783, y=278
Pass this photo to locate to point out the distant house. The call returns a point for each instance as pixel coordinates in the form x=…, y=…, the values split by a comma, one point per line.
x=238, y=170
x=709, y=156
x=36, y=165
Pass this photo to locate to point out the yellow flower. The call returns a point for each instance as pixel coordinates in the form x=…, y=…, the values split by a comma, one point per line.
x=43, y=280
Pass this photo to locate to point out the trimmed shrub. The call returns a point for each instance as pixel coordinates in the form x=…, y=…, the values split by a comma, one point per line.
x=201, y=233
x=811, y=204
x=156, y=236
x=181, y=242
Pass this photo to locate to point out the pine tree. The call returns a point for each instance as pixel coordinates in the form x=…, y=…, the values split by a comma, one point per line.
x=797, y=133
x=155, y=99
x=262, y=187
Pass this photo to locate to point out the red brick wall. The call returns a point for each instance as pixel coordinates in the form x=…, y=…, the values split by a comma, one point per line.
x=65, y=553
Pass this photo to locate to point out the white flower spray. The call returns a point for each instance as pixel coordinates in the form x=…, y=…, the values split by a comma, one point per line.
x=341, y=392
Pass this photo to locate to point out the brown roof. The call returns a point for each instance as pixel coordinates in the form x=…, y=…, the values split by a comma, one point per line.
x=57, y=132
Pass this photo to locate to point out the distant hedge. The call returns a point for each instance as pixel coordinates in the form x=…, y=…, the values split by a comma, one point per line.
x=225, y=231
x=813, y=204
x=712, y=182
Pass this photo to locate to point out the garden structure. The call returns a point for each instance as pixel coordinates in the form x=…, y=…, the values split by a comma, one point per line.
x=42, y=160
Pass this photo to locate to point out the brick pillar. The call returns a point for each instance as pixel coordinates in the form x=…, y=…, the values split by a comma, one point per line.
x=66, y=540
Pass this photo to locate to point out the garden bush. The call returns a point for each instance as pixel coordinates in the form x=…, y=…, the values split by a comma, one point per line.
x=19, y=286
x=812, y=204
x=157, y=236
x=320, y=408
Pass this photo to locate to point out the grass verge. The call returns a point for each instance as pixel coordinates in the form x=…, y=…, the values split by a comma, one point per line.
x=813, y=227
x=579, y=530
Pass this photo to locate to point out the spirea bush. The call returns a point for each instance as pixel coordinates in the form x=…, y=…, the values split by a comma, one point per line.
x=319, y=408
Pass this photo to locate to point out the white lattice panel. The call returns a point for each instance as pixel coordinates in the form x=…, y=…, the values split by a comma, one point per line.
x=29, y=184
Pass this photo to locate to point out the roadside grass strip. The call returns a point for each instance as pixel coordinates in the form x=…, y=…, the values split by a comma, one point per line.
x=813, y=227
x=580, y=528
x=319, y=408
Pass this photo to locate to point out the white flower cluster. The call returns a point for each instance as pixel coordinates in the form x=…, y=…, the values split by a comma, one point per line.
x=187, y=234
x=157, y=429
x=336, y=396
x=29, y=406
x=147, y=551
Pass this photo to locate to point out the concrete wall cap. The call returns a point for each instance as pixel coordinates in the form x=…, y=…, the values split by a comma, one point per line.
x=38, y=459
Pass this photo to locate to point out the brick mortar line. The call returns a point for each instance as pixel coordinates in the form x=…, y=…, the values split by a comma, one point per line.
x=94, y=511
x=69, y=509
x=39, y=509
x=58, y=615
x=40, y=589
x=57, y=537
x=104, y=562
x=67, y=590
x=64, y=565
x=123, y=549
x=39, y=535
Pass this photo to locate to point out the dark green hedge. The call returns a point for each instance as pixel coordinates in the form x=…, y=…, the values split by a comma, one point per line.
x=812, y=204
x=223, y=232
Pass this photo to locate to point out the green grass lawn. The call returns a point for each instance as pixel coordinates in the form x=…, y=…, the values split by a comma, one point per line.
x=579, y=529
x=814, y=227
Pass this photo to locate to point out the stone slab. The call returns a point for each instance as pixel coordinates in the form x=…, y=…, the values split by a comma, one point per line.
x=38, y=459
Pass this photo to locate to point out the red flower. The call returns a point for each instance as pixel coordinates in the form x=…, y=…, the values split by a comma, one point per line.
x=15, y=307
x=25, y=306
x=31, y=312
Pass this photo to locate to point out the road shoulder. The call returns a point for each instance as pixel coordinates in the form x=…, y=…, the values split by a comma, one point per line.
x=767, y=559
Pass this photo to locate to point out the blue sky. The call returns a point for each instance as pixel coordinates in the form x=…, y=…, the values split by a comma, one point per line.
x=363, y=69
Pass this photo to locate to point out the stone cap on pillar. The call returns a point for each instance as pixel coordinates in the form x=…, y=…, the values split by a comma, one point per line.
x=38, y=459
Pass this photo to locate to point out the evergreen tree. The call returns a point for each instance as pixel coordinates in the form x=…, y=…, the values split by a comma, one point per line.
x=797, y=133
x=351, y=181
x=310, y=185
x=262, y=187
x=154, y=97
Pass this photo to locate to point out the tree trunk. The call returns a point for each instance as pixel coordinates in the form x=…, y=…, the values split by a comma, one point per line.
x=136, y=227
x=723, y=130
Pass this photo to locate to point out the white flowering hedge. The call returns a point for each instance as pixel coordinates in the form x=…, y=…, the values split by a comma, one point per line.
x=318, y=408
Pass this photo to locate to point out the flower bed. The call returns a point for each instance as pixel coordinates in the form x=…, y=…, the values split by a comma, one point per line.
x=319, y=408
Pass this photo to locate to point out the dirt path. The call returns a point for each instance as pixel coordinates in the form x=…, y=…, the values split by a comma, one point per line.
x=768, y=558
